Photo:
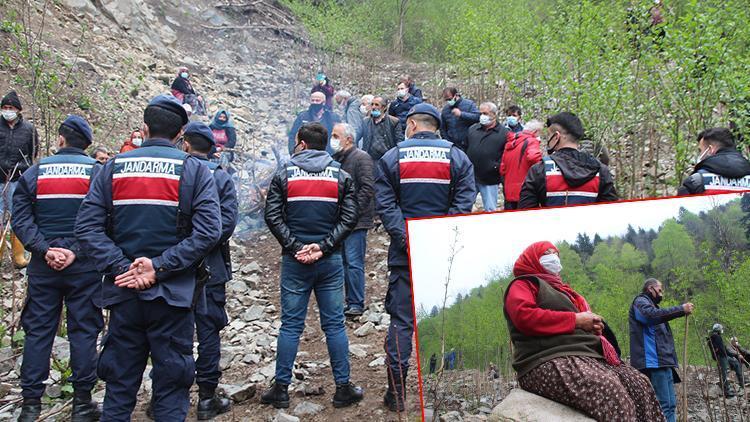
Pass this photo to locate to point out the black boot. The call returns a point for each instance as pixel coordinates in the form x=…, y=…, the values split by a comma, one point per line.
x=394, y=395
x=85, y=411
x=347, y=394
x=277, y=395
x=210, y=405
x=30, y=410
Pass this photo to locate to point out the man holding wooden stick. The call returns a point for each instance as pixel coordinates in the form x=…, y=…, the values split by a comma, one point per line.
x=652, y=348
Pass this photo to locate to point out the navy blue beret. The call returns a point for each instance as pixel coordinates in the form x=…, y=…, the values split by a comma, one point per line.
x=171, y=104
x=424, y=108
x=79, y=124
x=200, y=129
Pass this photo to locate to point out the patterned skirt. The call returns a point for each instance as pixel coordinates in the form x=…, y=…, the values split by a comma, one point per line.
x=602, y=392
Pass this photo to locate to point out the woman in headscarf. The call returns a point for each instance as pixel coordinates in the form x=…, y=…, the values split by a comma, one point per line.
x=183, y=90
x=224, y=133
x=181, y=86
x=134, y=142
x=559, y=350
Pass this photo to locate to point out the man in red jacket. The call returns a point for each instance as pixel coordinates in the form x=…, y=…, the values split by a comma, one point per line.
x=521, y=152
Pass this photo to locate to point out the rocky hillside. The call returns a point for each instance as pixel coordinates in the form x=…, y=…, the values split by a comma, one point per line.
x=105, y=59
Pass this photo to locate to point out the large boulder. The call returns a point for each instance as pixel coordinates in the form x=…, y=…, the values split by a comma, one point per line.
x=522, y=406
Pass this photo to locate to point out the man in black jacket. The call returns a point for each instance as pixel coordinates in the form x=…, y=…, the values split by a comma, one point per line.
x=566, y=176
x=359, y=165
x=19, y=146
x=311, y=208
x=720, y=169
x=486, y=141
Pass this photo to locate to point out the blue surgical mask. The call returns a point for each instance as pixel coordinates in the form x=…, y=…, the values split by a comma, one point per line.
x=452, y=102
x=512, y=121
x=485, y=120
x=184, y=75
x=375, y=113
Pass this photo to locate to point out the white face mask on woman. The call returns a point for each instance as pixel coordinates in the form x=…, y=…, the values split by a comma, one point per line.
x=551, y=263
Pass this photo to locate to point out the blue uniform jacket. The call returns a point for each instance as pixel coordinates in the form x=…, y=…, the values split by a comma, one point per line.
x=387, y=202
x=24, y=222
x=221, y=272
x=651, y=341
x=456, y=128
x=175, y=266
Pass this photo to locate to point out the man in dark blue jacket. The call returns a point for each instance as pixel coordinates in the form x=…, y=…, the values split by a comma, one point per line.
x=150, y=218
x=210, y=320
x=422, y=176
x=414, y=90
x=458, y=115
x=311, y=208
x=45, y=206
x=403, y=103
x=652, y=345
x=315, y=113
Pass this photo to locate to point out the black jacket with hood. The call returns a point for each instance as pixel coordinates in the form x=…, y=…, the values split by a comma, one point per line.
x=577, y=168
x=276, y=206
x=727, y=162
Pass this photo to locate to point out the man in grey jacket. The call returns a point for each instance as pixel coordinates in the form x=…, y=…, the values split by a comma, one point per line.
x=380, y=131
x=360, y=166
x=350, y=111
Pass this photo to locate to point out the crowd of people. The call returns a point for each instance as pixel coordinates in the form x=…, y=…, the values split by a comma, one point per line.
x=137, y=233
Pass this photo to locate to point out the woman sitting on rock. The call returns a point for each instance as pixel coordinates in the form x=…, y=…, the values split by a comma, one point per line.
x=559, y=351
x=183, y=90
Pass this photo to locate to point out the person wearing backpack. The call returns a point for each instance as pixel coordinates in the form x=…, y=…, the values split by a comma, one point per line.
x=148, y=222
x=522, y=151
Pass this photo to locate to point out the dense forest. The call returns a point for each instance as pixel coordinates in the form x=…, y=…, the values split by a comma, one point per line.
x=645, y=77
x=700, y=258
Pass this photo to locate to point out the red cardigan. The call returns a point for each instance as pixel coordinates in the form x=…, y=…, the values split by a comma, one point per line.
x=516, y=163
x=531, y=320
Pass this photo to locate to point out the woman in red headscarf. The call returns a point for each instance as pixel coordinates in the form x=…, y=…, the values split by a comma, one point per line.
x=559, y=350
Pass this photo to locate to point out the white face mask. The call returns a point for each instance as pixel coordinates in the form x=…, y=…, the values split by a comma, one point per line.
x=335, y=144
x=137, y=141
x=363, y=109
x=485, y=120
x=551, y=263
x=9, y=115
